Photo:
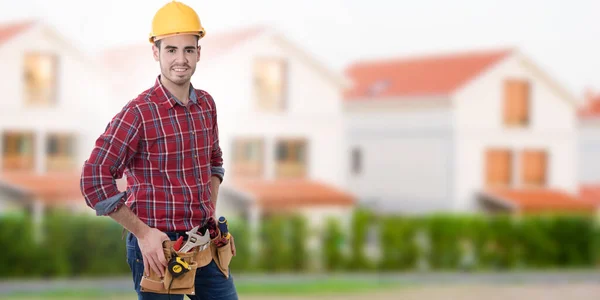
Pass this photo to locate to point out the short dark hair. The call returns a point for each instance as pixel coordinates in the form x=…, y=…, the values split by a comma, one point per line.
x=157, y=43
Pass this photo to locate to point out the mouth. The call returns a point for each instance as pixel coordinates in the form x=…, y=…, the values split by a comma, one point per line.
x=180, y=69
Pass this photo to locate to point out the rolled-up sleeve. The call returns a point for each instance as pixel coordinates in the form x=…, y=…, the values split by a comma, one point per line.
x=112, y=152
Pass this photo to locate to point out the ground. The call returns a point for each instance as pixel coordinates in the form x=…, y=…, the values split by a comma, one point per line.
x=579, y=291
x=548, y=285
x=586, y=291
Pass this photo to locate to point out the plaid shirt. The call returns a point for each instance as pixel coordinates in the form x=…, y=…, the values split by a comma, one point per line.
x=168, y=152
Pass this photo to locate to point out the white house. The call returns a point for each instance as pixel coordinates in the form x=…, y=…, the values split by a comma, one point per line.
x=50, y=112
x=589, y=148
x=280, y=120
x=463, y=132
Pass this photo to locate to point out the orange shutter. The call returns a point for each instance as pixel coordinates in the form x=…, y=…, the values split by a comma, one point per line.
x=534, y=165
x=498, y=167
x=522, y=102
x=516, y=102
x=509, y=103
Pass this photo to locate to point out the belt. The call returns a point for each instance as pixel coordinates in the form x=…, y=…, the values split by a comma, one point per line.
x=174, y=235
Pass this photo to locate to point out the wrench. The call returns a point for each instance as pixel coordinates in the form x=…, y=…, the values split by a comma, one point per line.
x=195, y=239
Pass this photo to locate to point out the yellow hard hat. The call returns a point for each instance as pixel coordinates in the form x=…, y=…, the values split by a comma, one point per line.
x=175, y=18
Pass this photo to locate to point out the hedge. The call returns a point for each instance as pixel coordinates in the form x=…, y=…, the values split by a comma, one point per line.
x=92, y=246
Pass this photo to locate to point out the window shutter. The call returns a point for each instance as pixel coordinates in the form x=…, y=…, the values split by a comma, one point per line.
x=498, y=167
x=534, y=166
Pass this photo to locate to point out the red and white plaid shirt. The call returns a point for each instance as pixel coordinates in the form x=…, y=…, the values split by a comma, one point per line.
x=168, y=152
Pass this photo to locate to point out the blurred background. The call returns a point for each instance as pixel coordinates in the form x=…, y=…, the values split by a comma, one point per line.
x=373, y=149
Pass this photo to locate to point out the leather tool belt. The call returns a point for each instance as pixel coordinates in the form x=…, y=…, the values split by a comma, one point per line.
x=194, y=259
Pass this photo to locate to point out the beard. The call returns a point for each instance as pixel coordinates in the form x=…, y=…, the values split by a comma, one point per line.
x=178, y=74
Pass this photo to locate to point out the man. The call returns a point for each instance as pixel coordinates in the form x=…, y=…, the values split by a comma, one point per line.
x=166, y=142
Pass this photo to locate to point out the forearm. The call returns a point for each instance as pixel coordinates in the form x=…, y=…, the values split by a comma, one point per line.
x=99, y=189
x=130, y=221
x=215, y=182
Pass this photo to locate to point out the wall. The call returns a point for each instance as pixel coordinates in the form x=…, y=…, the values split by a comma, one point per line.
x=407, y=152
x=479, y=126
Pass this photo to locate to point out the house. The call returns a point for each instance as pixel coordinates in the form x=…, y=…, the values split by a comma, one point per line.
x=589, y=148
x=280, y=121
x=50, y=112
x=461, y=132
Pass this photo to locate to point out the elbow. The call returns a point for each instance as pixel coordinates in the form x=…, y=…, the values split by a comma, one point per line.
x=218, y=171
x=96, y=185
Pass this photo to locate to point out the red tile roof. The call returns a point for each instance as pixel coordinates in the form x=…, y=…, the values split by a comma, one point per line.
x=541, y=200
x=590, y=193
x=421, y=76
x=50, y=188
x=591, y=108
x=292, y=194
x=10, y=30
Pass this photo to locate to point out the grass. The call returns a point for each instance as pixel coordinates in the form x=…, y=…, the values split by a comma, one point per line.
x=304, y=288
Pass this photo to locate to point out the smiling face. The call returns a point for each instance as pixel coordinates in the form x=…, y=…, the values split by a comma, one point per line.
x=178, y=56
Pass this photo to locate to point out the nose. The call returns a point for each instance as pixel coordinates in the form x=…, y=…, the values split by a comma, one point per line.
x=180, y=57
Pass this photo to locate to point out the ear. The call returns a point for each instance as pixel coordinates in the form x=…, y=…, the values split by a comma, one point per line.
x=199, y=48
x=155, y=52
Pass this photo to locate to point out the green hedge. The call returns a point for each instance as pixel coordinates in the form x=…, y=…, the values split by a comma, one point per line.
x=92, y=246
x=71, y=246
x=333, y=243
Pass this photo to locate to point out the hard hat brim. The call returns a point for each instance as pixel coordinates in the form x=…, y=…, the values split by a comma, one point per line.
x=153, y=39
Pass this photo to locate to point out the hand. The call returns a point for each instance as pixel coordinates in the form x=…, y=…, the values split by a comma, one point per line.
x=150, y=243
x=232, y=244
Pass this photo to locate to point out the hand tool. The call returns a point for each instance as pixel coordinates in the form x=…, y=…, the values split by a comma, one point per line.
x=178, y=266
x=195, y=239
x=178, y=243
x=223, y=227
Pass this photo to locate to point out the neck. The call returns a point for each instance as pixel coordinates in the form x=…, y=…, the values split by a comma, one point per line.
x=181, y=92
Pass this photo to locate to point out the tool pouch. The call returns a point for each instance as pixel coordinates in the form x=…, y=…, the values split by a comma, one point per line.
x=222, y=256
x=184, y=284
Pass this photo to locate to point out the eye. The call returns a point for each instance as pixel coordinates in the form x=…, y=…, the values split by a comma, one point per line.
x=191, y=51
x=171, y=50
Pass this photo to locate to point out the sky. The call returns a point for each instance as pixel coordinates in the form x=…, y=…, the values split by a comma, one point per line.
x=561, y=36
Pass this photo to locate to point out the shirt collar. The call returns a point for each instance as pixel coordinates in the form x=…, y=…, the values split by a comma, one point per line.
x=167, y=99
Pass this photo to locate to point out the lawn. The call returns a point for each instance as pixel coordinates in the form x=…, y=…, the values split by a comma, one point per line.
x=283, y=288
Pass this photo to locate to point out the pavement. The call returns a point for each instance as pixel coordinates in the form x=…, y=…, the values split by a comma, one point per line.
x=124, y=284
x=579, y=291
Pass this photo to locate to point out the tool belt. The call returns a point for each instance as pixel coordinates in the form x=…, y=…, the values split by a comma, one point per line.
x=186, y=265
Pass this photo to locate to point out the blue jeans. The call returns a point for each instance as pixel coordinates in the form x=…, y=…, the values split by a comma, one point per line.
x=210, y=282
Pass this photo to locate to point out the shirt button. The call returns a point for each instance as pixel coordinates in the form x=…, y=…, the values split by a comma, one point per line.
x=192, y=132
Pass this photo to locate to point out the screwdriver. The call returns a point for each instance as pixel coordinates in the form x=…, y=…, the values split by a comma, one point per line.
x=223, y=227
x=178, y=243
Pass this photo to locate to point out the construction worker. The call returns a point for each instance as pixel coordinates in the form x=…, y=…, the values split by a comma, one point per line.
x=166, y=141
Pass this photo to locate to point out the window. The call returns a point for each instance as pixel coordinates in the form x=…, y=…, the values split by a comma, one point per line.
x=516, y=103
x=40, y=79
x=248, y=157
x=18, y=151
x=534, y=167
x=60, y=152
x=291, y=159
x=269, y=84
x=356, y=160
x=498, y=168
